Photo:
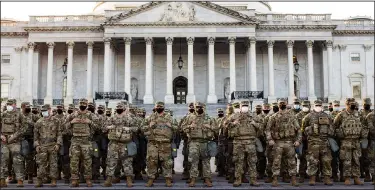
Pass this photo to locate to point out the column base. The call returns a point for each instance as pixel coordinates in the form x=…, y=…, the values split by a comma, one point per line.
x=212, y=99
x=169, y=99
x=67, y=101
x=272, y=99
x=48, y=100
x=148, y=99
x=130, y=98
x=190, y=98
x=312, y=99
x=291, y=99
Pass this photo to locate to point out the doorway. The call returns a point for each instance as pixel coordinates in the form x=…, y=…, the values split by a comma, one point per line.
x=180, y=90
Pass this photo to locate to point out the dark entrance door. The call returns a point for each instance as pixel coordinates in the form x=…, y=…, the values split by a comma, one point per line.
x=180, y=90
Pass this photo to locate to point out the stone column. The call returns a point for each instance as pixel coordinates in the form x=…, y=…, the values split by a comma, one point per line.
x=148, y=98
x=253, y=65
x=369, y=85
x=18, y=62
x=69, y=80
x=331, y=95
x=29, y=97
x=107, y=65
x=169, y=98
x=291, y=94
x=211, y=97
x=112, y=62
x=89, y=86
x=271, y=76
x=232, y=65
x=127, y=80
x=310, y=63
x=190, y=96
x=49, y=98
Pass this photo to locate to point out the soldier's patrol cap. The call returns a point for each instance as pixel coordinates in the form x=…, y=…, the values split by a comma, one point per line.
x=318, y=103
x=367, y=101
x=167, y=110
x=45, y=107
x=91, y=104
x=305, y=103
x=125, y=103
x=219, y=110
x=199, y=104
x=350, y=101
x=83, y=101
x=24, y=103
x=142, y=109
x=11, y=101
x=266, y=106
x=59, y=106
x=236, y=105
x=282, y=101
x=244, y=103
x=120, y=106
x=71, y=107
x=108, y=110
x=100, y=107
x=159, y=104
x=330, y=103
x=27, y=105
x=131, y=107
x=296, y=101
x=191, y=104
x=34, y=107
x=274, y=104
x=336, y=103
x=258, y=106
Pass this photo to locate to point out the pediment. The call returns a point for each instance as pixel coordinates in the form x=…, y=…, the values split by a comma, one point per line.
x=180, y=12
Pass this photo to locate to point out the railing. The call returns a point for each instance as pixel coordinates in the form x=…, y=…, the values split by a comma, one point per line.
x=293, y=17
x=66, y=18
x=38, y=102
x=354, y=22
x=57, y=102
x=246, y=95
x=111, y=96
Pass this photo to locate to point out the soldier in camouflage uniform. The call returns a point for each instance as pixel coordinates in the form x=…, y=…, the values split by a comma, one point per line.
x=220, y=158
x=159, y=131
x=269, y=151
x=296, y=106
x=82, y=126
x=47, y=141
x=317, y=127
x=120, y=129
x=364, y=160
x=142, y=141
x=261, y=156
x=200, y=129
x=351, y=132
x=370, y=121
x=185, y=149
x=302, y=157
x=284, y=129
x=244, y=131
x=336, y=163
x=13, y=127
x=61, y=117
x=66, y=146
x=97, y=137
x=176, y=137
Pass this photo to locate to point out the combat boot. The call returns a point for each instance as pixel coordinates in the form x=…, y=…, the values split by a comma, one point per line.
x=231, y=179
x=30, y=179
x=268, y=179
x=150, y=183
x=347, y=181
x=168, y=182
x=301, y=178
x=129, y=181
x=108, y=182
x=367, y=177
x=12, y=179
x=185, y=176
x=373, y=180
x=244, y=179
x=327, y=181
x=3, y=183
x=116, y=180
x=237, y=182
x=357, y=181
x=192, y=182
x=53, y=182
x=88, y=182
x=39, y=182
x=312, y=180
x=74, y=183
x=208, y=182
x=274, y=182
x=253, y=182
x=19, y=183
x=294, y=181
x=286, y=178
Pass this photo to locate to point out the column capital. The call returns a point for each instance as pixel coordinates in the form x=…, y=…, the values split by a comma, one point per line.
x=232, y=40
x=252, y=40
x=18, y=49
x=50, y=44
x=107, y=40
x=334, y=47
x=128, y=40
x=270, y=43
x=290, y=43
x=342, y=47
x=169, y=40
x=329, y=43
x=31, y=45
x=90, y=44
x=309, y=43
x=367, y=47
x=211, y=40
x=70, y=44
x=190, y=40
x=149, y=40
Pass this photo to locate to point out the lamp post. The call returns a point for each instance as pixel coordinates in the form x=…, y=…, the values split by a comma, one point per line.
x=296, y=66
x=65, y=65
x=180, y=62
x=106, y=102
x=251, y=99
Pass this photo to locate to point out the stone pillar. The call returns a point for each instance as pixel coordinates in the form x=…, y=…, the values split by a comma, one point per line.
x=271, y=75
x=18, y=61
x=112, y=62
x=127, y=80
x=49, y=98
x=369, y=85
x=211, y=97
x=69, y=84
x=310, y=63
x=89, y=85
x=291, y=94
x=29, y=97
x=148, y=98
x=107, y=65
x=190, y=96
x=169, y=98
x=253, y=65
x=232, y=65
x=331, y=95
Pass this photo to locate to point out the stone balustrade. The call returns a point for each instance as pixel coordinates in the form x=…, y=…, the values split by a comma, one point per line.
x=293, y=17
x=66, y=18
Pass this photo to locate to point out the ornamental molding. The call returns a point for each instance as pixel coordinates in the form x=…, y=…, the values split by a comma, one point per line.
x=352, y=32
x=309, y=43
x=12, y=34
x=18, y=49
x=232, y=40
x=50, y=44
x=163, y=24
x=149, y=40
x=290, y=43
x=128, y=40
x=270, y=43
x=169, y=40
x=65, y=28
x=90, y=44
x=190, y=40
x=367, y=47
x=342, y=47
x=296, y=27
x=211, y=40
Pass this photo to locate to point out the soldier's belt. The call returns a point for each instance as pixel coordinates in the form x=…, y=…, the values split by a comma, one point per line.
x=284, y=140
x=244, y=138
x=159, y=141
x=199, y=140
x=48, y=144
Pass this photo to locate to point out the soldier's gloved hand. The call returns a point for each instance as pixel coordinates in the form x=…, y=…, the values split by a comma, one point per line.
x=296, y=144
x=3, y=138
x=56, y=147
x=236, y=122
x=38, y=149
x=271, y=142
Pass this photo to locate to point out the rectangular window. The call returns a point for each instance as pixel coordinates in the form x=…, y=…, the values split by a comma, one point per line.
x=355, y=57
x=5, y=90
x=5, y=58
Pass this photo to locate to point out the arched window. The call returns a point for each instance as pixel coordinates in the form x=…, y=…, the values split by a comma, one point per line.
x=64, y=87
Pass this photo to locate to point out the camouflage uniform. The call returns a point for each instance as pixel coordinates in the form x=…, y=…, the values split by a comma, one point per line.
x=364, y=160
x=317, y=126
x=244, y=131
x=229, y=145
x=61, y=117
x=104, y=142
x=261, y=156
x=142, y=141
x=371, y=127
x=284, y=129
x=82, y=126
x=268, y=147
x=350, y=131
x=159, y=130
x=336, y=163
x=13, y=127
x=47, y=141
x=185, y=149
x=200, y=129
x=65, y=161
x=120, y=129
x=220, y=158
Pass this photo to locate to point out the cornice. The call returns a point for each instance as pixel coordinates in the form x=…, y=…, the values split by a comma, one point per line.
x=13, y=34
x=352, y=32
x=64, y=28
x=295, y=27
x=157, y=24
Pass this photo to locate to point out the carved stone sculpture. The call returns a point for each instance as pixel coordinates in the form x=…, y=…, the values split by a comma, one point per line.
x=178, y=12
x=227, y=88
x=134, y=88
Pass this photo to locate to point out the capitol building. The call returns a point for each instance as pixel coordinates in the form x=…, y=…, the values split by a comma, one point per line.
x=179, y=52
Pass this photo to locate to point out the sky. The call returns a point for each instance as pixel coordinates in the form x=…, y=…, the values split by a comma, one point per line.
x=339, y=10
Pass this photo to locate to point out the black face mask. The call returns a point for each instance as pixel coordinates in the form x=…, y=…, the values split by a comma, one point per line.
x=191, y=110
x=59, y=111
x=82, y=108
x=200, y=111
x=367, y=107
x=266, y=111
x=330, y=109
x=70, y=111
x=352, y=107
x=119, y=111
x=27, y=110
x=275, y=109
x=91, y=109
x=283, y=107
x=108, y=115
x=221, y=115
x=159, y=110
x=258, y=111
x=35, y=112
x=100, y=112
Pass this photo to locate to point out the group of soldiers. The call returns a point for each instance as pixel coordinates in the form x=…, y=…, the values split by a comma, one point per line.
x=43, y=142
